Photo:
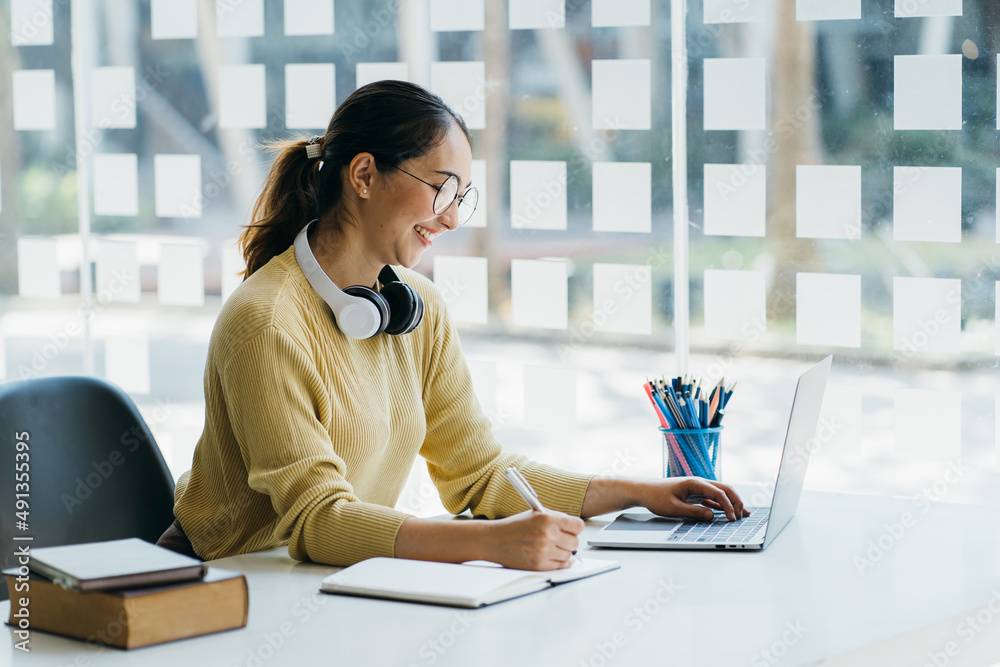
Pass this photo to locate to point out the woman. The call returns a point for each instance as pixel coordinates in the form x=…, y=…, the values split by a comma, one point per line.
x=309, y=433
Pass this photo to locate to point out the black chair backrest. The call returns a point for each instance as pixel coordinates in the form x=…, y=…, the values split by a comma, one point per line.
x=93, y=470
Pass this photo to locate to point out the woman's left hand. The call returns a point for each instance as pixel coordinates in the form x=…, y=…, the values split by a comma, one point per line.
x=692, y=497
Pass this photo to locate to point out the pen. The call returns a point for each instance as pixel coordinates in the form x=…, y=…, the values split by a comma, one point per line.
x=523, y=488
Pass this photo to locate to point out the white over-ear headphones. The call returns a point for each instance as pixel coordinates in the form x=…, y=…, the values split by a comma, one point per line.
x=361, y=312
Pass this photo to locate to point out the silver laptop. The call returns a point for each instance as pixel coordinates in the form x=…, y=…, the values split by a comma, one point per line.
x=644, y=530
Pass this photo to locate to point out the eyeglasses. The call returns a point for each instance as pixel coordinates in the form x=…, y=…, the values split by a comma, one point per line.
x=446, y=195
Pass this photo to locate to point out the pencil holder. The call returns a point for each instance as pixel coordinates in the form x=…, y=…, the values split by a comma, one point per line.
x=691, y=452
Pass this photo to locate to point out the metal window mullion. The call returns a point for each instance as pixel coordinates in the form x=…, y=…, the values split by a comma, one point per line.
x=678, y=103
x=82, y=17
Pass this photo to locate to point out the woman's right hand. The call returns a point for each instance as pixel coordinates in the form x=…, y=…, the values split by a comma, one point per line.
x=534, y=540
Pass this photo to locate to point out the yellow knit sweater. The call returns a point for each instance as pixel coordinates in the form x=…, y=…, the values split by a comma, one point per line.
x=310, y=435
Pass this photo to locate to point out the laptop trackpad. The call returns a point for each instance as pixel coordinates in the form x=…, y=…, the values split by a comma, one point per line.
x=644, y=521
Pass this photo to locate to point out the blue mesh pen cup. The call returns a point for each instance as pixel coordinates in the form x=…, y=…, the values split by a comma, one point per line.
x=691, y=452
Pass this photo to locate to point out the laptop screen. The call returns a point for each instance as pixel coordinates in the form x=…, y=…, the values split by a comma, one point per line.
x=802, y=425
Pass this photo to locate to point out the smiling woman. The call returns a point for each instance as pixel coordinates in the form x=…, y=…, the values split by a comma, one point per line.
x=313, y=419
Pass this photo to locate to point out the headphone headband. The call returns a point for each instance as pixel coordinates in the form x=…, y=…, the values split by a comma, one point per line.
x=361, y=312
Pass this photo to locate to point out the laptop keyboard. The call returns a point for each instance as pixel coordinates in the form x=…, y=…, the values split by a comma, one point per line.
x=720, y=529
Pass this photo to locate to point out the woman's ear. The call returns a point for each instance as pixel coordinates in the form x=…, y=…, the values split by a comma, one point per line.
x=360, y=174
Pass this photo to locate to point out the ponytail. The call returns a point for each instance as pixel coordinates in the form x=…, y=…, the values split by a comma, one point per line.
x=286, y=204
x=393, y=120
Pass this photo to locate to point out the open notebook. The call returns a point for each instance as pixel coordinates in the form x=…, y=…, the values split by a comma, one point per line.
x=473, y=584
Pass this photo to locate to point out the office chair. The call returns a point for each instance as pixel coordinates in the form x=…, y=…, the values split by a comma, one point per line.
x=94, y=471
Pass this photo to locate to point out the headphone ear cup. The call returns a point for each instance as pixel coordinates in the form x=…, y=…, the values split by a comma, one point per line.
x=406, y=308
x=376, y=300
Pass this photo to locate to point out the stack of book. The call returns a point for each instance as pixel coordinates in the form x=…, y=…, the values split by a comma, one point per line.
x=125, y=593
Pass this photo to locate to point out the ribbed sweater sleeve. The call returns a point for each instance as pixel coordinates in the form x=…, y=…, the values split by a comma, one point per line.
x=280, y=414
x=464, y=459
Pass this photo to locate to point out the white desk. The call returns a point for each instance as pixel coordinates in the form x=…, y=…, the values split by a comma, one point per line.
x=803, y=598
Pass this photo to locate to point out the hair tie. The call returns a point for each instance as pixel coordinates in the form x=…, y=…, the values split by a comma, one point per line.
x=313, y=149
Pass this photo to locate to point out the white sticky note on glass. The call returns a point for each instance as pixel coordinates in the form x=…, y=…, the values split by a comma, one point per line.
x=239, y=19
x=996, y=320
x=454, y=15
x=112, y=97
x=34, y=93
x=614, y=13
x=828, y=309
x=38, y=269
x=309, y=96
x=116, y=184
x=173, y=19
x=117, y=272
x=308, y=17
x=838, y=433
x=549, y=398
x=539, y=293
x=928, y=425
x=126, y=363
x=735, y=304
x=30, y=22
x=621, y=94
x=478, y=218
x=828, y=202
x=735, y=199
x=926, y=314
x=827, y=10
x=180, y=278
x=927, y=92
x=462, y=85
x=537, y=194
x=734, y=94
x=623, y=197
x=536, y=14
x=370, y=72
x=233, y=266
x=914, y=8
x=623, y=298
x=927, y=204
x=178, y=186
x=241, y=97
x=735, y=11
x=462, y=283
